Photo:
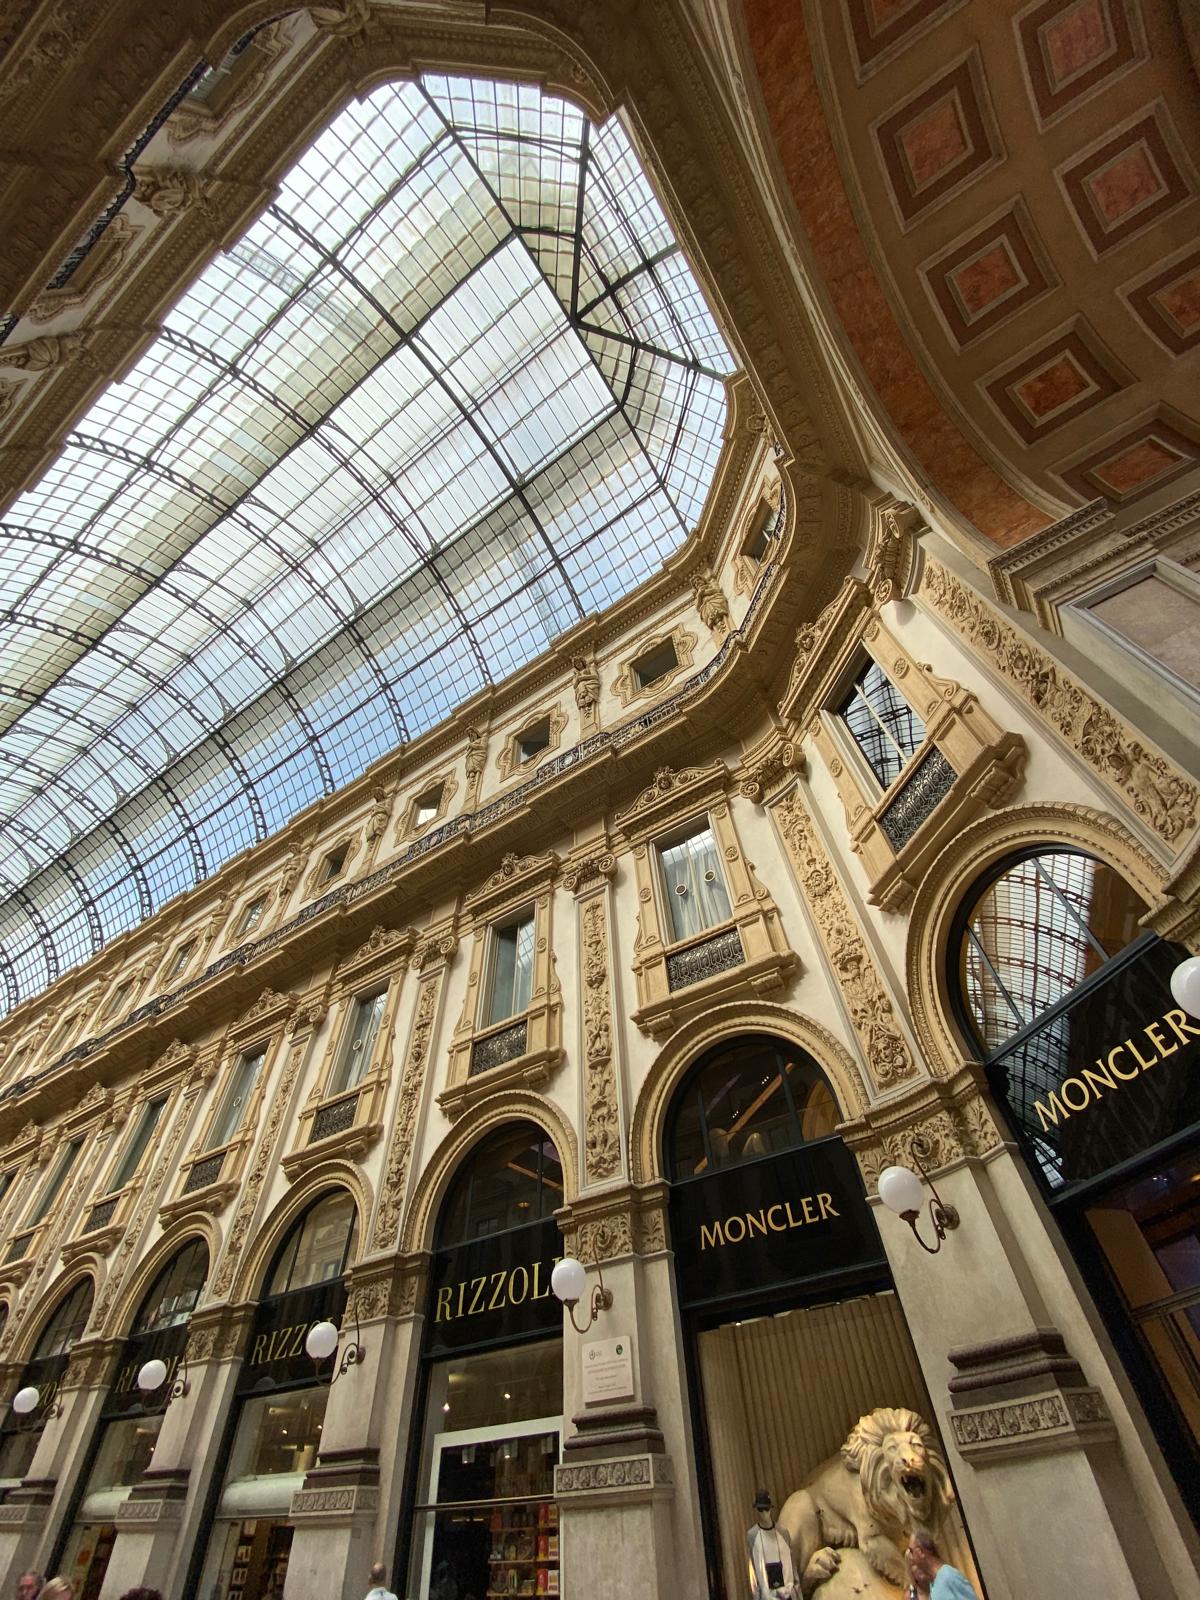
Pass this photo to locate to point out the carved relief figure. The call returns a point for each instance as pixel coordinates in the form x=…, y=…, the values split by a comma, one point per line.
x=888, y=1478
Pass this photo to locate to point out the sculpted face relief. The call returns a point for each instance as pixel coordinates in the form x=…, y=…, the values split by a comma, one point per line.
x=1122, y=1064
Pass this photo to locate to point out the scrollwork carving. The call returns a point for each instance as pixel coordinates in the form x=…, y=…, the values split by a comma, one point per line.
x=391, y=1193
x=602, y=1133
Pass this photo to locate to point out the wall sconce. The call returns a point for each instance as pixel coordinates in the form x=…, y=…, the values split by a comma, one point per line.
x=26, y=1400
x=569, y=1281
x=1185, y=985
x=153, y=1374
x=903, y=1192
x=321, y=1341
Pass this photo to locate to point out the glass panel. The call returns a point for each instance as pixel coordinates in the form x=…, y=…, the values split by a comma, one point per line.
x=512, y=970
x=238, y=1091
x=511, y=1179
x=359, y=1042
x=1039, y=929
x=176, y=1291
x=136, y=1146
x=882, y=723
x=318, y=1248
x=279, y=1433
x=247, y=1560
x=694, y=884
x=58, y=1174
x=656, y=664
x=1149, y=1234
x=67, y=1323
x=126, y=1447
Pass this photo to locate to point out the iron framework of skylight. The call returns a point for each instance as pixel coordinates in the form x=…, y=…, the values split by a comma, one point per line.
x=456, y=389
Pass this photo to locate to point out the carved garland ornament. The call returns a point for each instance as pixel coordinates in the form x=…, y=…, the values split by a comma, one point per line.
x=602, y=1134
x=1156, y=790
x=871, y=1011
x=391, y=1197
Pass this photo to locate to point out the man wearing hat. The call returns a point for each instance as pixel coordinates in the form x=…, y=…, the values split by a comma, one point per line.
x=772, y=1576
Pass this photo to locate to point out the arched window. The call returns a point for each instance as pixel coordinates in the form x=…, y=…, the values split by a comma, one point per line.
x=172, y=1296
x=747, y=1097
x=510, y=1179
x=318, y=1247
x=67, y=1322
x=1032, y=930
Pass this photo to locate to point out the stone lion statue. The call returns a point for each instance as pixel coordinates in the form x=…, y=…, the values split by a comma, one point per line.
x=888, y=1478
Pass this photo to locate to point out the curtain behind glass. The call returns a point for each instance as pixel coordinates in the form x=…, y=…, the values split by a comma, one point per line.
x=694, y=884
x=512, y=970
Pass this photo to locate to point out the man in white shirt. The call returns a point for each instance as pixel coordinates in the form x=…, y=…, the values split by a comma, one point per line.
x=377, y=1590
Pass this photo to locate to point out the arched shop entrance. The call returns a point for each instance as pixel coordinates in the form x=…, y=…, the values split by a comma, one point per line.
x=274, y=1432
x=43, y=1371
x=1095, y=1066
x=483, y=1520
x=792, y=1328
x=124, y=1441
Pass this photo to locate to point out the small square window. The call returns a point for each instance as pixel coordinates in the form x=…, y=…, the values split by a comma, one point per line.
x=533, y=741
x=335, y=863
x=182, y=956
x=758, y=545
x=118, y=999
x=655, y=664
x=426, y=806
x=252, y=914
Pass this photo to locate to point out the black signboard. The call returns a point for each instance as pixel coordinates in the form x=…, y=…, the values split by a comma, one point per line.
x=494, y=1290
x=1105, y=1076
x=275, y=1357
x=124, y=1398
x=748, y=1230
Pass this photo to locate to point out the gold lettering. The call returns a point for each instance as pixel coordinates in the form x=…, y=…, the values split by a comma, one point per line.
x=1066, y=1085
x=806, y=1206
x=776, y=1227
x=538, y=1294
x=462, y=1289
x=499, y=1279
x=476, y=1284
x=1119, y=1050
x=514, y=1298
x=1095, y=1076
x=731, y=1237
x=256, y=1355
x=711, y=1237
x=1057, y=1110
x=1133, y=1050
x=298, y=1341
x=756, y=1222
x=443, y=1312
x=1181, y=1026
x=792, y=1223
x=1160, y=1044
x=827, y=1210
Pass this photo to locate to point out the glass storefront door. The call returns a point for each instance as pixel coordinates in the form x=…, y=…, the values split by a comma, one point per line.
x=125, y=1448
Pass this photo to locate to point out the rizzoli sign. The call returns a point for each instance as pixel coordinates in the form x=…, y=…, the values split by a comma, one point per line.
x=494, y=1289
x=745, y=1230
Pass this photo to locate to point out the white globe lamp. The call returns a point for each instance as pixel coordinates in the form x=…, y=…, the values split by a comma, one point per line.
x=569, y=1281
x=1185, y=985
x=901, y=1191
x=152, y=1375
x=321, y=1340
x=25, y=1400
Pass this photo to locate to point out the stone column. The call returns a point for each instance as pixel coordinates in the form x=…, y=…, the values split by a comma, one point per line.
x=344, y=1515
x=160, y=1522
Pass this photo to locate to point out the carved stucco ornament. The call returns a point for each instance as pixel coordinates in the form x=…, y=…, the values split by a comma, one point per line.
x=871, y=1012
x=602, y=1130
x=1156, y=790
x=416, y=1060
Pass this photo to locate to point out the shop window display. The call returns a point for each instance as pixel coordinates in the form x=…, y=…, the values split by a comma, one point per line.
x=43, y=1372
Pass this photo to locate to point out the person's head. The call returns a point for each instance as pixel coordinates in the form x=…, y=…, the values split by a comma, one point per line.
x=378, y=1573
x=141, y=1593
x=924, y=1559
x=29, y=1586
x=57, y=1589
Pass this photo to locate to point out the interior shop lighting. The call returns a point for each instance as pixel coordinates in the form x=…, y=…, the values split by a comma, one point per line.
x=1185, y=985
x=903, y=1192
x=26, y=1401
x=569, y=1283
x=153, y=1374
x=321, y=1342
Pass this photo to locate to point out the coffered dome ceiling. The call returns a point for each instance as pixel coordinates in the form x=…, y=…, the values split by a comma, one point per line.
x=453, y=391
x=1000, y=203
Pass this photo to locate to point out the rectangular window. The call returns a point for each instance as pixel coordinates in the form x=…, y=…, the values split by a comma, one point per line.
x=427, y=805
x=758, y=545
x=693, y=883
x=135, y=1146
x=359, y=1042
x=182, y=956
x=656, y=664
x=59, y=1037
x=252, y=915
x=118, y=998
x=235, y=1100
x=512, y=969
x=52, y=1185
x=335, y=863
x=882, y=724
x=533, y=741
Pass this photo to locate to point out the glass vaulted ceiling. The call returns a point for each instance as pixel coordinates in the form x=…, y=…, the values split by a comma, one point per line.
x=454, y=390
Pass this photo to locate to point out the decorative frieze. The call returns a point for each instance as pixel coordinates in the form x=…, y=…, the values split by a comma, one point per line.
x=416, y=1062
x=602, y=1126
x=1154, y=788
x=1056, y=1420
x=621, y=1476
x=884, y=1046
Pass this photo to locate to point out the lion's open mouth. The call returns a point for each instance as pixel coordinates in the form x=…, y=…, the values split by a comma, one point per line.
x=913, y=1485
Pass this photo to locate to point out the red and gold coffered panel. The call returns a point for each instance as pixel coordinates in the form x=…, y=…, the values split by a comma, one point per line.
x=1002, y=208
